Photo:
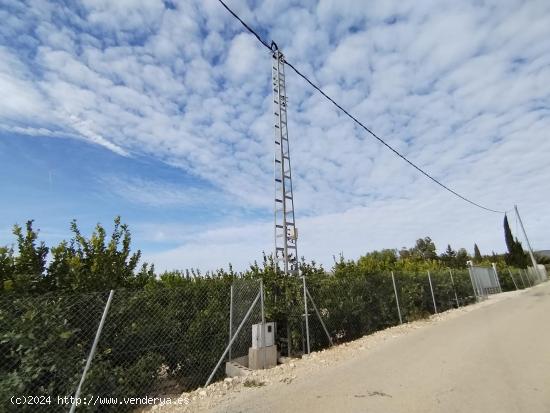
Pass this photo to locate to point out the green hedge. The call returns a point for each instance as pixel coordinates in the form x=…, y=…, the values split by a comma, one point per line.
x=172, y=331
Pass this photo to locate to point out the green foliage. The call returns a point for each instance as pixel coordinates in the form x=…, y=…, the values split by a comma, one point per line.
x=90, y=264
x=508, y=237
x=30, y=262
x=44, y=342
x=424, y=249
x=152, y=335
x=173, y=328
x=46, y=334
x=462, y=257
x=355, y=302
x=516, y=256
x=6, y=268
x=477, y=254
x=541, y=259
x=82, y=264
x=448, y=258
x=378, y=260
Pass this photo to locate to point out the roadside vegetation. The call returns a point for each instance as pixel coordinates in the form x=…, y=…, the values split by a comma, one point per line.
x=167, y=326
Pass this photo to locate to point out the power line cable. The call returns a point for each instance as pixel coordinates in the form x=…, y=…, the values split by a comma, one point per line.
x=247, y=27
x=358, y=122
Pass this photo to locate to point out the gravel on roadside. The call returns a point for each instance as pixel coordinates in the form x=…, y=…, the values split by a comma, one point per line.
x=203, y=399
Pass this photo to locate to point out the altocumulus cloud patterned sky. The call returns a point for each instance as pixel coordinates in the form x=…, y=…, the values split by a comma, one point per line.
x=161, y=112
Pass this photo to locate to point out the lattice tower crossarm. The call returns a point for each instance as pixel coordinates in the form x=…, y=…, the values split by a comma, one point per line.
x=286, y=235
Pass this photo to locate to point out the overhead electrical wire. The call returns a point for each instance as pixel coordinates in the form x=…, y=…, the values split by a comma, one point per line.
x=358, y=122
x=247, y=27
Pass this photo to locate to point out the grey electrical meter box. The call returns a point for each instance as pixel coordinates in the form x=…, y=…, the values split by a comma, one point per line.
x=257, y=335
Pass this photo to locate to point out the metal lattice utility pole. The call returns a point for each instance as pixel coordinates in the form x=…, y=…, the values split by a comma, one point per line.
x=286, y=235
x=285, y=228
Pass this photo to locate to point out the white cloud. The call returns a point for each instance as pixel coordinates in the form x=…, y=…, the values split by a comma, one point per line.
x=155, y=193
x=460, y=88
x=352, y=232
x=21, y=101
x=243, y=57
x=124, y=14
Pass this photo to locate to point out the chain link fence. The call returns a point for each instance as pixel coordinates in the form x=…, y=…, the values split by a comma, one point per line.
x=351, y=307
x=170, y=338
x=243, y=294
x=44, y=343
x=154, y=341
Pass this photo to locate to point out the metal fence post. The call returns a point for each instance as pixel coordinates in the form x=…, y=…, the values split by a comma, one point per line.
x=512, y=277
x=521, y=278
x=289, y=340
x=263, y=321
x=432, y=290
x=496, y=276
x=474, y=284
x=396, y=298
x=92, y=351
x=233, y=339
x=319, y=316
x=230, y=318
x=535, y=275
x=454, y=289
x=528, y=278
x=531, y=255
x=306, y=314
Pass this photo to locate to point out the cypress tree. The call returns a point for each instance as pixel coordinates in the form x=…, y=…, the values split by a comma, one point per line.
x=477, y=254
x=508, y=237
x=519, y=256
x=516, y=255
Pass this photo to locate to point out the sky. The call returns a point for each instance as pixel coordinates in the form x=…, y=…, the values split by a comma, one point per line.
x=160, y=112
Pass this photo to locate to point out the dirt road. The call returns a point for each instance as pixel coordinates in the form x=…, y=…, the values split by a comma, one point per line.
x=493, y=357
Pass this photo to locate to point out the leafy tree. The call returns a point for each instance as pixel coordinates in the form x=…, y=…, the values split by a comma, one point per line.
x=508, y=237
x=405, y=253
x=173, y=328
x=462, y=257
x=516, y=255
x=378, y=260
x=425, y=248
x=6, y=267
x=541, y=259
x=30, y=262
x=477, y=254
x=448, y=257
x=97, y=263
